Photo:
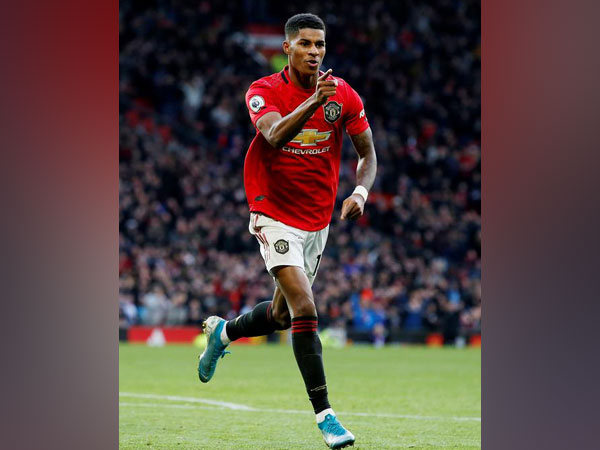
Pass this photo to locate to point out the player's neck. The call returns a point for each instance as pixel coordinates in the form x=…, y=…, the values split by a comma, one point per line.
x=302, y=80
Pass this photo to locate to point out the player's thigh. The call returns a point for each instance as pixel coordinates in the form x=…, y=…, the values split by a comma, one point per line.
x=280, y=307
x=296, y=289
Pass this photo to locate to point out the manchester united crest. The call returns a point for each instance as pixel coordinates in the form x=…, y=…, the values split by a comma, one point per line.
x=333, y=111
x=281, y=246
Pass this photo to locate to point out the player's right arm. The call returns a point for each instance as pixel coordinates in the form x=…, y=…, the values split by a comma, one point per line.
x=278, y=130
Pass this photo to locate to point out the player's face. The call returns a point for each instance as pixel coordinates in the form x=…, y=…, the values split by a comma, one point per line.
x=306, y=50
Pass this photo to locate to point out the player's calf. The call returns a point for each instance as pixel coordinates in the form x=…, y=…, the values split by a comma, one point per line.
x=258, y=322
x=282, y=319
x=308, y=352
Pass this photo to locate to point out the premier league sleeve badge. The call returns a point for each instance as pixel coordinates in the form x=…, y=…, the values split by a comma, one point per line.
x=256, y=103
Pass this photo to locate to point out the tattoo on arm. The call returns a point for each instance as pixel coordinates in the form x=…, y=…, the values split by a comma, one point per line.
x=367, y=159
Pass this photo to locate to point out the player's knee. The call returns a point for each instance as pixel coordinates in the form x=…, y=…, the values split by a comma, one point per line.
x=305, y=307
x=282, y=319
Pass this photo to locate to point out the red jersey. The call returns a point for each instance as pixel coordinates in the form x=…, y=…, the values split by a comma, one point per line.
x=297, y=184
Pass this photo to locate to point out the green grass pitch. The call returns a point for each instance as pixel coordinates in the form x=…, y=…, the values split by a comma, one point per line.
x=394, y=397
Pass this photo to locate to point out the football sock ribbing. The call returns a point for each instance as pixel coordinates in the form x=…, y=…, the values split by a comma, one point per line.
x=309, y=356
x=258, y=322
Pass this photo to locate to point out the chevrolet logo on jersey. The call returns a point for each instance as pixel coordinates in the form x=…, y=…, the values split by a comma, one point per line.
x=310, y=137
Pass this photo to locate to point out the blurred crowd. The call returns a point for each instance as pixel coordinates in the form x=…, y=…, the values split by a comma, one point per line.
x=411, y=263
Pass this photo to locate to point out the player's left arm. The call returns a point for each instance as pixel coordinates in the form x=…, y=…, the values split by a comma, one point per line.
x=353, y=207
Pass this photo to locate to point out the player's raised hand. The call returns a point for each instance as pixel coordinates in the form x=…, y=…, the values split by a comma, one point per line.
x=325, y=88
x=353, y=207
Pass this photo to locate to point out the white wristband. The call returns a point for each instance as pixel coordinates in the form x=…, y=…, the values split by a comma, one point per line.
x=362, y=191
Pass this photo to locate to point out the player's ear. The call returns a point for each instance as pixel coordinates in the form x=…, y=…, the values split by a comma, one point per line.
x=286, y=47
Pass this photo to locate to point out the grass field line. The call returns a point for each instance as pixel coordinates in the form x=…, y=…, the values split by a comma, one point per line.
x=175, y=398
x=216, y=404
x=167, y=405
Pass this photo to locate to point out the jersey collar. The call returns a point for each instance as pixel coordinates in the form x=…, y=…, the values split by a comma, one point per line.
x=285, y=74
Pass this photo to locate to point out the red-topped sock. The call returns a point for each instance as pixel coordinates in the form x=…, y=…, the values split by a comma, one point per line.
x=308, y=352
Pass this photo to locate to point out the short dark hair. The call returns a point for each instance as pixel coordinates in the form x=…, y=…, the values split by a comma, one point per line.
x=304, y=20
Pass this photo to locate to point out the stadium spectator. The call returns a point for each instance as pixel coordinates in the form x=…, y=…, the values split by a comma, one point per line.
x=185, y=252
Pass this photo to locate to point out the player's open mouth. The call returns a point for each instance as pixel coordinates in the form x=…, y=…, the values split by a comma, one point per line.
x=312, y=63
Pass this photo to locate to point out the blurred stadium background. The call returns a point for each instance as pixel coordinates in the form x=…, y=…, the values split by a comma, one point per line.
x=408, y=271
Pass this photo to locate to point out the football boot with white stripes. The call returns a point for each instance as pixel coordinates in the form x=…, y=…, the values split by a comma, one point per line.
x=215, y=348
x=334, y=434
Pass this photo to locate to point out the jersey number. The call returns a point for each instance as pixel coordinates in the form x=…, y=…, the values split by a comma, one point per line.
x=317, y=266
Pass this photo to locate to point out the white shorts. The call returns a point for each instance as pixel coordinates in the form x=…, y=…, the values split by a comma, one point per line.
x=282, y=245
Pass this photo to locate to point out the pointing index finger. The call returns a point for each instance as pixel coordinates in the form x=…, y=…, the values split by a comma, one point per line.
x=326, y=74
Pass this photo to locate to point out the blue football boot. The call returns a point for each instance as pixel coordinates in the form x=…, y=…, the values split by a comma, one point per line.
x=214, y=350
x=334, y=434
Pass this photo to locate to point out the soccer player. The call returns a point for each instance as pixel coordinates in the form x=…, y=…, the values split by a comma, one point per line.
x=291, y=177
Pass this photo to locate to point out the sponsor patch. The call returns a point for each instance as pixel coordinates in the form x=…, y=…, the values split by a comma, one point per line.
x=306, y=151
x=281, y=246
x=333, y=111
x=256, y=103
x=311, y=137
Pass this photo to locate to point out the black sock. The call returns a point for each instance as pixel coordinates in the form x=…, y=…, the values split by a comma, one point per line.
x=308, y=352
x=258, y=322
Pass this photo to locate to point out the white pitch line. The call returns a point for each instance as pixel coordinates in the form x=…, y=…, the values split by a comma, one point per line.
x=174, y=398
x=166, y=405
x=240, y=407
x=380, y=415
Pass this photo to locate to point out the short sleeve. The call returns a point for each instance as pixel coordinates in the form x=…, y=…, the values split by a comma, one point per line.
x=260, y=99
x=356, y=120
